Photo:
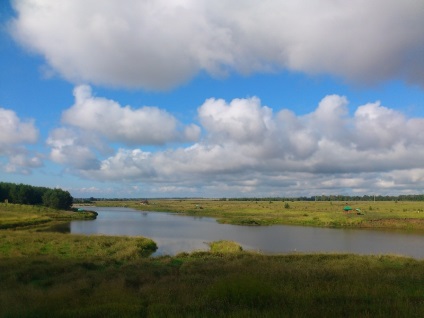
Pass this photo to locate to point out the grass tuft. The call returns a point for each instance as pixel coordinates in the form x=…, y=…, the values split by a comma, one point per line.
x=225, y=247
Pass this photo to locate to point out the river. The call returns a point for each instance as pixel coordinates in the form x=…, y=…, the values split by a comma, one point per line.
x=175, y=233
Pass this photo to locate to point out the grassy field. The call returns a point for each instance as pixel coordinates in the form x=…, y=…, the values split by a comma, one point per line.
x=384, y=214
x=211, y=284
x=47, y=274
x=20, y=216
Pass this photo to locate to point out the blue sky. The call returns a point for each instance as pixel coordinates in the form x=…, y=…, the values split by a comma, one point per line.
x=200, y=98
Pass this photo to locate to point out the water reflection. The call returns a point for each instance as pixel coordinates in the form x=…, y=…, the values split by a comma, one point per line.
x=175, y=233
x=61, y=228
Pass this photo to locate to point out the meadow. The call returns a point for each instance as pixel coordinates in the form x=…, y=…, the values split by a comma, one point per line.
x=211, y=284
x=21, y=216
x=44, y=273
x=401, y=215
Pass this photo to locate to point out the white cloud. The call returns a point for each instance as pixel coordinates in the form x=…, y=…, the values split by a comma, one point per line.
x=146, y=125
x=161, y=44
x=15, y=131
x=15, y=136
x=94, y=125
x=72, y=147
x=21, y=161
x=243, y=121
x=326, y=150
x=380, y=128
x=124, y=165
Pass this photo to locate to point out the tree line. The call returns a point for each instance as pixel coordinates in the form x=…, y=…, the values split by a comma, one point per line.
x=409, y=197
x=31, y=195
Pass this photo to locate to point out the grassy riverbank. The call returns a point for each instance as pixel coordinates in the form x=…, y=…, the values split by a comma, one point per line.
x=14, y=216
x=384, y=214
x=62, y=275
x=210, y=284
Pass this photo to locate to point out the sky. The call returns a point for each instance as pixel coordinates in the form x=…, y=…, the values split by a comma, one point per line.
x=196, y=98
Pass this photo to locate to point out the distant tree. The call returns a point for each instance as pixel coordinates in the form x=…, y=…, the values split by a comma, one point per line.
x=26, y=194
x=4, y=191
x=57, y=199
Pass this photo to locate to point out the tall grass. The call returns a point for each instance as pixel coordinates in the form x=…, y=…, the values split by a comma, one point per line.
x=207, y=284
x=61, y=275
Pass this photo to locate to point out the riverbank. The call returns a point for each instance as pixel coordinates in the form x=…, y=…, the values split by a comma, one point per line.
x=15, y=216
x=402, y=215
x=207, y=284
x=64, y=275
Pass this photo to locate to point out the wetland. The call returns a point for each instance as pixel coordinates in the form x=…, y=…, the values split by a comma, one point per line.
x=44, y=273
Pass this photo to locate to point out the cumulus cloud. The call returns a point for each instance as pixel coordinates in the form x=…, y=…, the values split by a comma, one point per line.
x=15, y=131
x=93, y=123
x=248, y=149
x=379, y=127
x=161, y=44
x=22, y=161
x=15, y=135
x=146, y=125
x=242, y=121
x=74, y=148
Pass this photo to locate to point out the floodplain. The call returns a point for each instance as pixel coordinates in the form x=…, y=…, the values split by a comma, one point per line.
x=402, y=215
x=63, y=275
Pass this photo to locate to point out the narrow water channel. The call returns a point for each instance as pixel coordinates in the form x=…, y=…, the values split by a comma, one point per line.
x=175, y=233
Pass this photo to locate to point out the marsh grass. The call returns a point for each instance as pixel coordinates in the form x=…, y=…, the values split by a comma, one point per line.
x=29, y=244
x=399, y=215
x=205, y=284
x=45, y=274
x=20, y=216
x=225, y=247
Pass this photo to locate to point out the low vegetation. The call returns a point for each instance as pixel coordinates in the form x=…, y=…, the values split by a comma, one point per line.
x=20, y=215
x=206, y=284
x=364, y=214
x=225, y=247
x=51, y=274
x=27, y=244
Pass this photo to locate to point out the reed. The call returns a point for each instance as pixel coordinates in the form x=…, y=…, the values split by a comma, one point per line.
x=206, y=284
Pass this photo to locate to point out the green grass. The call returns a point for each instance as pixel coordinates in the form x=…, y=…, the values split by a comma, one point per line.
x=384, y=214
x=65, y=246
x=225, y=247
x=45, y=274
x=19, y=215
x=207, y=284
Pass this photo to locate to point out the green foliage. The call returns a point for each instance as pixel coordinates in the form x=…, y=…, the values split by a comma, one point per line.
x=26, y=194
x=57, y=199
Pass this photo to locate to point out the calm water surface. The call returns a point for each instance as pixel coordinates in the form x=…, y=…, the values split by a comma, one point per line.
x=175, y=233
